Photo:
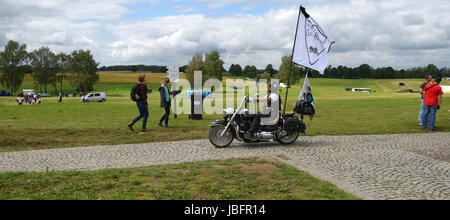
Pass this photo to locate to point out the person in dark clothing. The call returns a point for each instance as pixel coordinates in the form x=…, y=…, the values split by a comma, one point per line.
x=269, y=99
x=422, y=91
x=165, y=102
x=142, y=104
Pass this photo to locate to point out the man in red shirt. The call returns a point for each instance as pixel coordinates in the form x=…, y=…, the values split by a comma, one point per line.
x=433, y=102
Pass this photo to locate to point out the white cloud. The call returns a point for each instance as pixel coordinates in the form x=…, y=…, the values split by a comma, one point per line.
x=413, y=19
x=174, y=39
x=396, y=33
x=366, y=28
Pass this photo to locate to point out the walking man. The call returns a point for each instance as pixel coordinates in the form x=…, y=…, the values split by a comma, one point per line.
x=142, y=104
x=165, y=102
x=422, y=91
x=432, y=103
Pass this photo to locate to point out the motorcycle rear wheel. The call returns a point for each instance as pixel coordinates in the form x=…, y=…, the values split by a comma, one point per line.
x=220, y=141
x=288, y=139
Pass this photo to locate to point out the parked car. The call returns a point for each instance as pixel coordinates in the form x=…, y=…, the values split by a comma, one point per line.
x=5, y=93
x=94, y=97
x=28, y=92
x=361, y=90
x=43, y=95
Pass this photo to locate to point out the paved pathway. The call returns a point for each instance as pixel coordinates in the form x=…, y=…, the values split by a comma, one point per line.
x=412, y=166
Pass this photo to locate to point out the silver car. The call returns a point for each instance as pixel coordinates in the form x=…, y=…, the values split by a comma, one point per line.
x=94, y=97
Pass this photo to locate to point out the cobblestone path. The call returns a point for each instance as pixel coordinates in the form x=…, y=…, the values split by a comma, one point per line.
x=405, y=166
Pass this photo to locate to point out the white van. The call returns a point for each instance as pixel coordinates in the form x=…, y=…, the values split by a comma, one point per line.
x=361, y=90
x=94, y=97
x=28, y=92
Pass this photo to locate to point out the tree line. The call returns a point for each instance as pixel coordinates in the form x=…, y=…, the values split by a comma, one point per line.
x=47, y=68
x=80, y=69
x=211, y=66
x=365, y=71
x=135, y=68
x=296, y=73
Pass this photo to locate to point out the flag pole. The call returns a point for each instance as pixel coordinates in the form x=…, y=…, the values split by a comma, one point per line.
x=292, y=57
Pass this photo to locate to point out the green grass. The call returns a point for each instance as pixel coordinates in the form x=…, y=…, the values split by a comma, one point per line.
x=237, y=179
x=75, y=124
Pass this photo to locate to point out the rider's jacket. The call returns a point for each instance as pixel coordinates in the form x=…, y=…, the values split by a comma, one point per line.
x=274, y=98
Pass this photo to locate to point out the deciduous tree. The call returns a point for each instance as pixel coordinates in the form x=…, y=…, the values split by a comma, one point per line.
x=83, y=70
x=235, y=69
x=45, y=67
x=269, y=69
x=196, y=64
x=283, y=74
x=213, y=65
x=250, y=71
x=13, y=61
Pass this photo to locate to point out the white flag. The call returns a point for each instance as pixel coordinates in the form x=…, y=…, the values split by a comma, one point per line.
x=312, y=44
x=307, y=96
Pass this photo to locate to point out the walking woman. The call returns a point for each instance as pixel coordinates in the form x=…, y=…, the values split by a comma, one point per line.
x=165, y=102
x=142, y=103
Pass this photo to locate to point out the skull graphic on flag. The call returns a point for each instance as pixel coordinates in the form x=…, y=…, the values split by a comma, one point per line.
x=315, y=42
x=312, y=43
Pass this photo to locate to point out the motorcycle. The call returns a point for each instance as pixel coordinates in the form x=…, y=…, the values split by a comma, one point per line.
x=285, y=129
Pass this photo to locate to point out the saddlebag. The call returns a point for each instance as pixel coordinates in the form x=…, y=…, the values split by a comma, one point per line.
x=304, y=108
x=295, y=125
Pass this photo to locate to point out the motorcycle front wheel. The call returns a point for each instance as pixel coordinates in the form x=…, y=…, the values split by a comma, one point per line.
x=288, y=139
x=217, y=140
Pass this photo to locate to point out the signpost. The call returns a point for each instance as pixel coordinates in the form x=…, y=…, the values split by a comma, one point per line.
x=174, y=76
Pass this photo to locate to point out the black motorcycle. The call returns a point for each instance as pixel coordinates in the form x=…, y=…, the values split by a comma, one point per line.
x=237, y=122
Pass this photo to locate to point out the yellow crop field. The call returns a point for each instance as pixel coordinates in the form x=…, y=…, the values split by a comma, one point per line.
x=129, y=77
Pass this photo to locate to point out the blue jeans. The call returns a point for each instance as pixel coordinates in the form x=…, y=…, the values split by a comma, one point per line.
x=143, y=110
x=429, y=117
x=421, y=112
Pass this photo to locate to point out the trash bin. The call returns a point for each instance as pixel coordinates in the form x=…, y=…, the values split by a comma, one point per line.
x=196, y=106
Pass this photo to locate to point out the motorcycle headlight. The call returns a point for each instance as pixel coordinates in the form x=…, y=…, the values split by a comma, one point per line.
x=229, y=111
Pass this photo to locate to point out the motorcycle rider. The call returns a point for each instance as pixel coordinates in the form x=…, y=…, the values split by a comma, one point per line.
x=272, y=97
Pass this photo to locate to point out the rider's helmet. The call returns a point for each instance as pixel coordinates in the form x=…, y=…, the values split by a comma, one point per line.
x=273, y=86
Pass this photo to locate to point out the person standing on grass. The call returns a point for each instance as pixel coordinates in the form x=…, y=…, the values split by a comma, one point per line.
x=432, y=103
x=20, y=100
x=142, y=104
x=422, y=91
x=165, y=102
x=60, y=97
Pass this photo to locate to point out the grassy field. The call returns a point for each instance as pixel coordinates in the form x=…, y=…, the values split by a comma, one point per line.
x=238, y=179
x=74, y=124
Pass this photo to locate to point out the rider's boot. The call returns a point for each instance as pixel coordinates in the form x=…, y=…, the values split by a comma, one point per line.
x=250, y=136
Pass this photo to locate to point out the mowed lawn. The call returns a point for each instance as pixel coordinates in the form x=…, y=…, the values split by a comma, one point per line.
x=75, y=124
x=236, y=179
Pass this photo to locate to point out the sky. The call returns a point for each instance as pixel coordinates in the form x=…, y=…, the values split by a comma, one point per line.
x=397, y=33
